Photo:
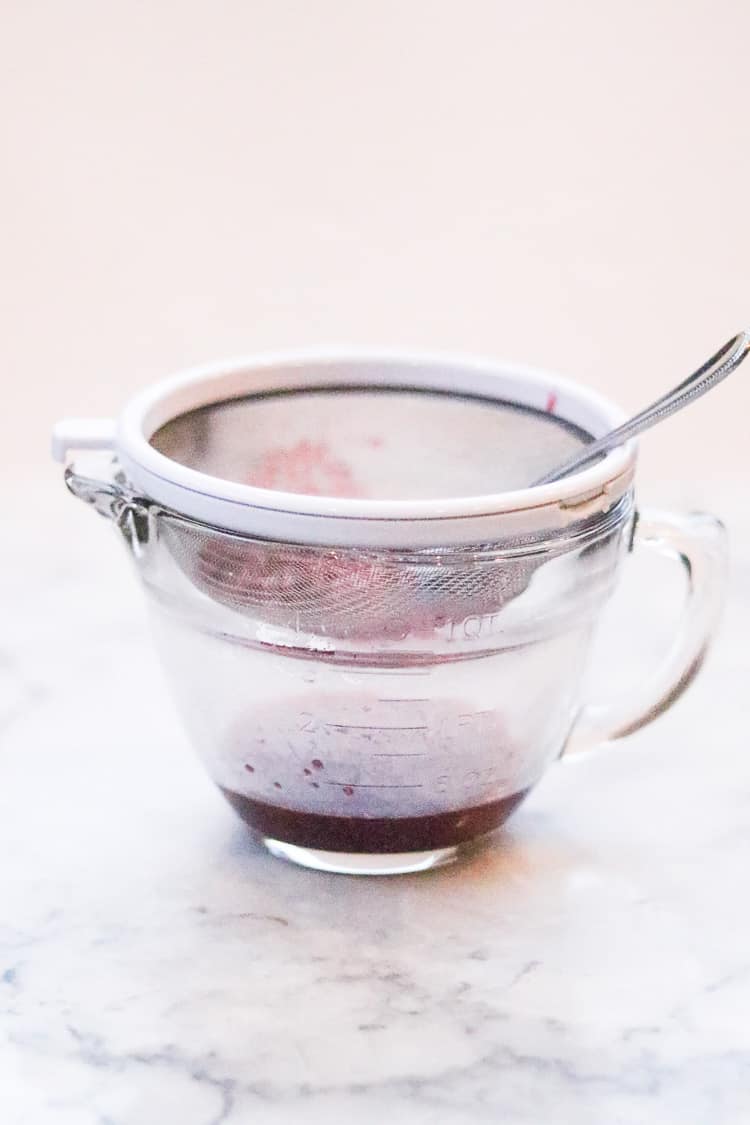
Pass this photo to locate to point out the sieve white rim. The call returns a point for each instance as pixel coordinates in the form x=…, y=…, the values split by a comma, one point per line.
x=281, y=515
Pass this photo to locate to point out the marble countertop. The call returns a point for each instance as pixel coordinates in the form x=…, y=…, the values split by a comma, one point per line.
x=591, y=968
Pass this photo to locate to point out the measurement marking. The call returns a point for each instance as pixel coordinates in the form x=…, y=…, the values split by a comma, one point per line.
x=404, y=701
x=382, y=672
x=355, y=785
x=399, y=755
x=362, y=726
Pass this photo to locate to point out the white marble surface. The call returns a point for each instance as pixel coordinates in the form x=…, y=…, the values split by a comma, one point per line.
x=591, y=968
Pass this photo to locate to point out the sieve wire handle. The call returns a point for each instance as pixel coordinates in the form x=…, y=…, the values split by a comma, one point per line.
x=708, y=375
x=698, y=543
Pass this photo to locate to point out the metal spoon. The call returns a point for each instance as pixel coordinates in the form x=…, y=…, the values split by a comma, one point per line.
x=709, y=375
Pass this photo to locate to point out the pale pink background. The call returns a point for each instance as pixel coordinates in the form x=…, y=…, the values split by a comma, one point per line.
x=562, y=183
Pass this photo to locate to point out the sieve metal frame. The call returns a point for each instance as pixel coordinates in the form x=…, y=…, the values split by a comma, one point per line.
x=331, y=521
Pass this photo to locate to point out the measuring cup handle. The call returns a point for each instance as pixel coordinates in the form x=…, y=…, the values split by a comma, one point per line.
x=698, y=542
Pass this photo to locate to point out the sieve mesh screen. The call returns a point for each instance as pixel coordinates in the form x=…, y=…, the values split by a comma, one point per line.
x=371, y=443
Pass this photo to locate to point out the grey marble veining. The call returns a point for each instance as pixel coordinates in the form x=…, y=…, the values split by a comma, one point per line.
x=592, y=967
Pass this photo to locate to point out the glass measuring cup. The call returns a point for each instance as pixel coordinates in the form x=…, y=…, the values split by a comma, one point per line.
x=371, y=683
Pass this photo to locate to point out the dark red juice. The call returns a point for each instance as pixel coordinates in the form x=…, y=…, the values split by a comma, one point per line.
x=373, y=834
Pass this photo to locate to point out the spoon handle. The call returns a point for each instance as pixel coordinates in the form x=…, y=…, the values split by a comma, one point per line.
x=709, y=375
